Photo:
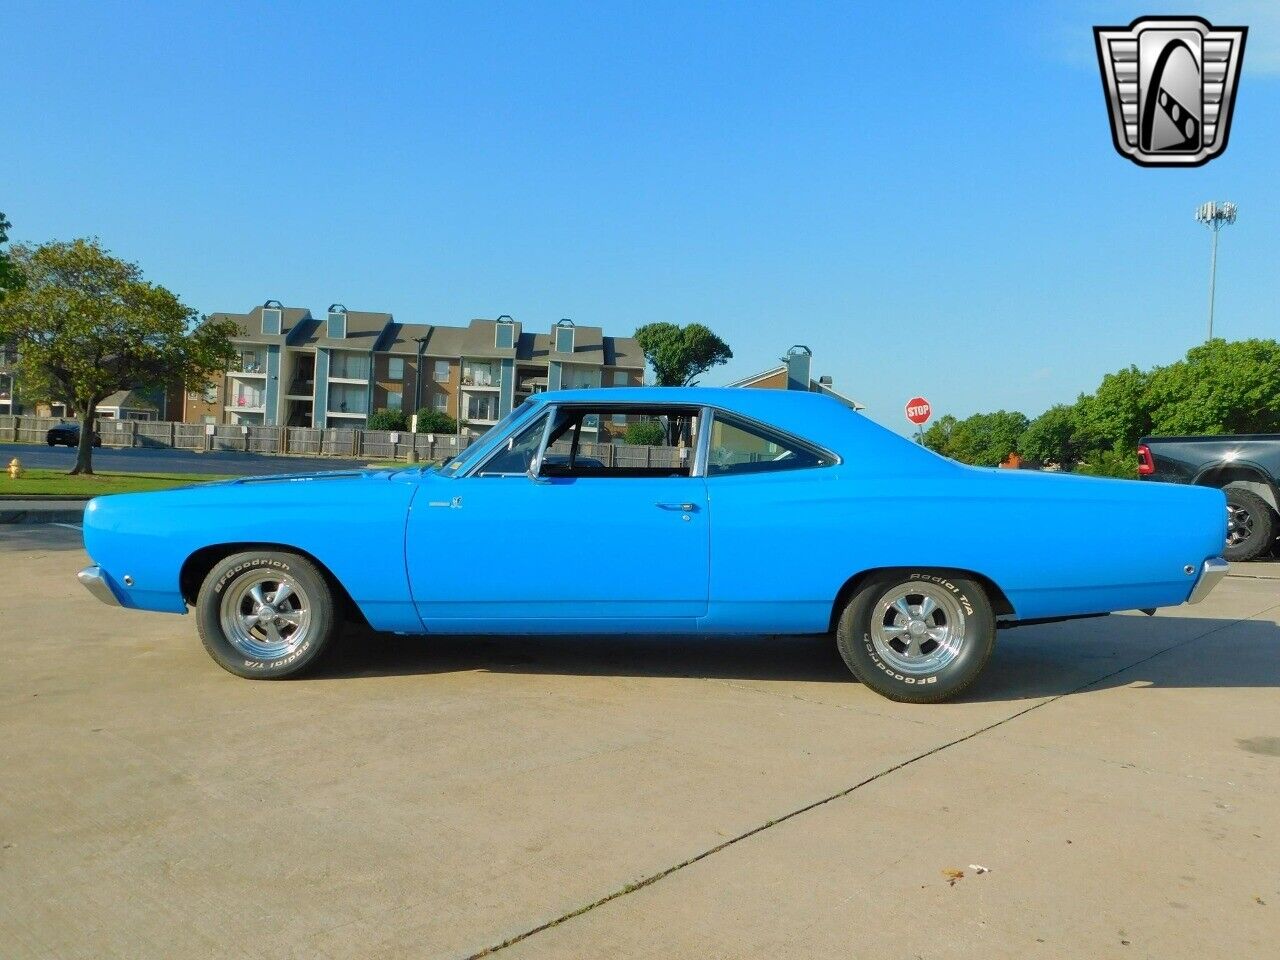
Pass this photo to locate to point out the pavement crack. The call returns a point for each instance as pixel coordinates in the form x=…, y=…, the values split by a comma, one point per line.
x=840, y=794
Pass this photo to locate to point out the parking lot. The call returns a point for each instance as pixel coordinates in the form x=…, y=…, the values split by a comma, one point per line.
x=1116, y=778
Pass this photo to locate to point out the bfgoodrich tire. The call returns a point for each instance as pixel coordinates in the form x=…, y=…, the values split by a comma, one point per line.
x=265, y=614
x=1251, y=525
x=917, y=636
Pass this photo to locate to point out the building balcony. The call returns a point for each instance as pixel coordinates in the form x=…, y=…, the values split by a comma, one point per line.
x=252, y=371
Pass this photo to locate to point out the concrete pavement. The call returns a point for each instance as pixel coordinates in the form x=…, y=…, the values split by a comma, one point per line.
x=632, y=798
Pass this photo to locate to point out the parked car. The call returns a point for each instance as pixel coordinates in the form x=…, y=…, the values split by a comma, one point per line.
x=68, y=435
x=1246, y=467
x=789, y=514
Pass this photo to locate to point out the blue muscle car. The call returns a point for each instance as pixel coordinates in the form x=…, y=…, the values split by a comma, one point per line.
x=772, y=512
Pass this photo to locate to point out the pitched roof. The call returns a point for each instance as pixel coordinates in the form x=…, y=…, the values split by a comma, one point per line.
x=365, y=330
x=128, y=400
x=439, y=341
x=293, y=320
x=815, y=386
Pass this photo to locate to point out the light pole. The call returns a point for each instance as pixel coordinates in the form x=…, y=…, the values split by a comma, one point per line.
x=1215, y=216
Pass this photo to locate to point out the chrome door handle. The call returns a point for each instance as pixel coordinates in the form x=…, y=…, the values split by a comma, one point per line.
x=685, y=507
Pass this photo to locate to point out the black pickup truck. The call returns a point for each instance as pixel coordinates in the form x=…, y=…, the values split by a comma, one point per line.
x=1245, y=467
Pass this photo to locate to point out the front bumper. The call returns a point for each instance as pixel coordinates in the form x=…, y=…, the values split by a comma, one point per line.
x=1213, y=570
x=95, y=582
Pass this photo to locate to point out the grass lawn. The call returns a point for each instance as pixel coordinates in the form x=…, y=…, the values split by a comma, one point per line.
x=35, y=483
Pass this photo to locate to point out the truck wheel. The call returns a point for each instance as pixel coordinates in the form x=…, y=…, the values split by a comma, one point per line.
x=265, y=614
x=1251, y=525
x=916, y=636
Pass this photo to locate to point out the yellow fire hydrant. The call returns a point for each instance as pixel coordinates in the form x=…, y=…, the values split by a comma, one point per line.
x=15, y=468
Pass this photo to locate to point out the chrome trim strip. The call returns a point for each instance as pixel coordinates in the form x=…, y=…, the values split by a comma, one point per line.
x=96, y=583
x=1213, y=570
x=705, y=418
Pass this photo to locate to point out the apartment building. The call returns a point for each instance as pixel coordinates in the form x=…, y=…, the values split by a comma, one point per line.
x=296, y=369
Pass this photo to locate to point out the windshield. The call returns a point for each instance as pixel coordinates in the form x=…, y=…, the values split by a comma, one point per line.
x=483, y=443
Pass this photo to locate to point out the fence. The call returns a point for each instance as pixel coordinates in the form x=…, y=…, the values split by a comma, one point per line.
x=379, y=445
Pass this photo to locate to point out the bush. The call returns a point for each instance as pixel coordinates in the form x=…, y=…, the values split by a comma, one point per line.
x=644, y=433
x=1120, y=461
x=388, y=420
x=433, y=421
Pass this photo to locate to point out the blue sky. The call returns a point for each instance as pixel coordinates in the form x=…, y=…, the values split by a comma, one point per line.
x=930, y=200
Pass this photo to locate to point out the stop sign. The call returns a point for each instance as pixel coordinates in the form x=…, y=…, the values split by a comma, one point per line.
x=918, y=411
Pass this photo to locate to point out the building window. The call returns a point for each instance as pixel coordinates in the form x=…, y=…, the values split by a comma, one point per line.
x=271, y=320
x=249, y=361
x=346, y=365
x=441, y=371
x=337, y=326
x=621, y=378
x=478, y=374
x=210, y=393
x=482, y=406
x=564, y=339
x=504, y=335
x=395, y=400
x=348, y=398
x=395, y=368
x=209, y=420
x=440, y=402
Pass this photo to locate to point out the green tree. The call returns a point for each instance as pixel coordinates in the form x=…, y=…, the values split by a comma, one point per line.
x=938, y=437
x=1220, y=387
x=1119, y=411
x=388, y=420
x=1051, y=437
x=644, y=433
x=434, y=421
x=10, y=276
x=985, y=438
x=86, y=324
x=679, y=355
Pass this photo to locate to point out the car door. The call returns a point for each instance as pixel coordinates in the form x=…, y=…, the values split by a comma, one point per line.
x=774, y=503
x=499, y=550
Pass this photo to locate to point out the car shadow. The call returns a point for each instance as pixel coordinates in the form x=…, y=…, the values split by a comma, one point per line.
x=1028, y=662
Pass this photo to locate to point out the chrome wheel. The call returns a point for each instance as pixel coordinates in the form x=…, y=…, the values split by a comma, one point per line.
x=265, y=615
x=917, y=628
x=1239, y=524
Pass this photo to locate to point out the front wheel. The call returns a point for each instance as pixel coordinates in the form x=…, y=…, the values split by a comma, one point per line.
x=265, y=614
x=916, y=636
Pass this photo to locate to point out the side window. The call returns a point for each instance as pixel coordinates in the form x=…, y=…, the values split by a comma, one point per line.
x=517, y=453
x=579, y=447
x=736, y=448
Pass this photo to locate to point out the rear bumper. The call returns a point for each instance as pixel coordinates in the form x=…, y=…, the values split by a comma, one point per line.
x=95, y=582
x=1211, y=572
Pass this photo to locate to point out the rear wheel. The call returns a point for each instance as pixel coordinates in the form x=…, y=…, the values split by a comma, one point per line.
x=1251, y=525
x=265, y=614
x=917, y=636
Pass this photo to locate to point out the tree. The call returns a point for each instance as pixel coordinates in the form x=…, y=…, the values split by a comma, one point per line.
x=679, y=355
x=1220, y=387
x=1051, y=438
x=1118, y=412
x=938, y=437
x=644, y=433
x=388, y=420
x=10, y=275
x=86, y=324
x=983, y=439
x=434, y=421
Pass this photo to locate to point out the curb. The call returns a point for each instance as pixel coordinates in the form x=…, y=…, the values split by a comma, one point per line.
x=30, y=511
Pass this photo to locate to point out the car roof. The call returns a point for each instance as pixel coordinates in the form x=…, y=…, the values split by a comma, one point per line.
x=815, y=417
